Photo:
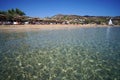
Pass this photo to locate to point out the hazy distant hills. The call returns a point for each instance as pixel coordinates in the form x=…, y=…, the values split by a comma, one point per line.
x=86, y=19
x=62, y=16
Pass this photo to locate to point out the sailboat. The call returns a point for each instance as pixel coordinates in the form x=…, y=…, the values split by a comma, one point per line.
x=110, y=22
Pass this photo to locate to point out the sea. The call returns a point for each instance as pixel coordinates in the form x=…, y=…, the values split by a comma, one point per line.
x=65, y=54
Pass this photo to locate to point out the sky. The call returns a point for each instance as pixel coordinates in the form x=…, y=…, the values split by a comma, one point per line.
x=48, y=8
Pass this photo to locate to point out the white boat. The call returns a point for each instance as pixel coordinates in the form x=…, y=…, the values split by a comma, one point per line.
x=110, y=22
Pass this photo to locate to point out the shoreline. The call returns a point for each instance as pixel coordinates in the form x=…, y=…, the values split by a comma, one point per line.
x=49, y=27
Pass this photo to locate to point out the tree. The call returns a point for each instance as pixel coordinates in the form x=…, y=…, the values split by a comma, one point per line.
x=11, y=14
x=19, y=12
x=3, y=12
x=15, y=12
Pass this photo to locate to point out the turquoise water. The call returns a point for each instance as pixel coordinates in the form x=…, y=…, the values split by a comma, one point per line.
x=70, y=54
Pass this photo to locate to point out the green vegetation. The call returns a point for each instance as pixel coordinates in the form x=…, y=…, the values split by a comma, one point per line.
x=11, y=14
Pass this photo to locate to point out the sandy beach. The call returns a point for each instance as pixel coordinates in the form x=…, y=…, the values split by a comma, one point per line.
x=46, y=27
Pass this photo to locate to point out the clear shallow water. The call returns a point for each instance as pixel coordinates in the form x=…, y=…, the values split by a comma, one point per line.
x=71, y=54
